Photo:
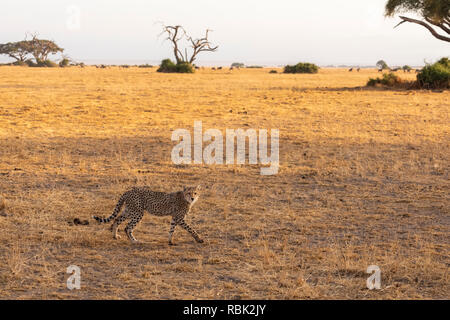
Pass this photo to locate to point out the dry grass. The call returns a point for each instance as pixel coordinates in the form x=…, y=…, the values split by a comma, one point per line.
x=364, y=180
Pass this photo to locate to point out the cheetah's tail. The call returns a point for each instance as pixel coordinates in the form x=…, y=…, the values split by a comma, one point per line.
x=114, y=214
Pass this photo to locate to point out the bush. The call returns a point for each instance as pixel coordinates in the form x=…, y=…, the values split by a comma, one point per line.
x=237, y=65
x=49, y=64
x=388, y=79
x=64, y=63
x=301, y=68
x=273, y=71
x=31, y=63
x=168, y=66
x=184, y=67
x=445, y=62
x=435, y=76
x=40, y=63
x=145, y=66
x=19, y=63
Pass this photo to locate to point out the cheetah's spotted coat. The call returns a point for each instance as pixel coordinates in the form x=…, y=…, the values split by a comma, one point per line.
x=140, y=199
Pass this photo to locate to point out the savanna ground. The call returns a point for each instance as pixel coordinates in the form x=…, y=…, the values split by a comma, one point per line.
x=363, y=181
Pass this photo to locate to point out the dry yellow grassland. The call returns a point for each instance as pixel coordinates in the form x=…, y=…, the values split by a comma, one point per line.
x=363, y=180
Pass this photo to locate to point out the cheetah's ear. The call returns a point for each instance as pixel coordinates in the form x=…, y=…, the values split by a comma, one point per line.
x=199, y=187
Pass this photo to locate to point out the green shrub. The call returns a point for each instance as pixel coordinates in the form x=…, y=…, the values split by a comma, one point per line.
x=40, y=63
x=388, y=79
x=435, y=76
x=301, y=68
x=168, y=66
x=254, y=67
x=49, y=64
x=31, y=63
x=184, y=67
x=64, y=63
x=273, y=71
x=444, y=61
x=145, y=66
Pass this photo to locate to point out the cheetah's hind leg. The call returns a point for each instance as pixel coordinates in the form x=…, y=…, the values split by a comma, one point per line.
x=135, y=219
x=117, y=222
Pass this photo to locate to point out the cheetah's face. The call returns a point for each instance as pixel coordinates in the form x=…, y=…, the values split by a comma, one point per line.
x=191, y=194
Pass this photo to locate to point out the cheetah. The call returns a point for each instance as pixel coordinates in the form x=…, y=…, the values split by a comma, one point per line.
x=140, y=199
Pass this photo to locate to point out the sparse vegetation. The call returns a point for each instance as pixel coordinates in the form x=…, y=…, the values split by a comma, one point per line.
x=432, y=76
x=388, y=79
x=301, y=68
x=363, y=180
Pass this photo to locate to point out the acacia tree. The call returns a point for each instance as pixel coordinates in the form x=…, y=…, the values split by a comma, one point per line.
x=176, y=34
x=38, y=48
x=435, y=14
x=16, y=50
x=382, y=65
x=41, y=49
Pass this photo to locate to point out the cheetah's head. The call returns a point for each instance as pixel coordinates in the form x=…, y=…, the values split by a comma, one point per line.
x=191, y=194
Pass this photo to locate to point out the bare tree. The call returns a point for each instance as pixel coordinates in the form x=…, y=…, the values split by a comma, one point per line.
x=175, y=34
x=201, y=45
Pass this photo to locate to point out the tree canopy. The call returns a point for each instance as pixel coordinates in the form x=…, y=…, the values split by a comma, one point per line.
x=40, y=49
x=382, y=65
x=435, y=15
x=17, y=50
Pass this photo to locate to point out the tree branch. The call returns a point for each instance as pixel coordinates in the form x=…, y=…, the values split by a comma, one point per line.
x=432, y=31
x=440, y=25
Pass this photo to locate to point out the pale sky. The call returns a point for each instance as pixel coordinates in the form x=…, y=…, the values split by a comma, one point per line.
x=327, y=32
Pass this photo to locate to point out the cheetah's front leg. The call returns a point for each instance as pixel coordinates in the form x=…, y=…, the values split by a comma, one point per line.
x=186, y=227
x=173, y=224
